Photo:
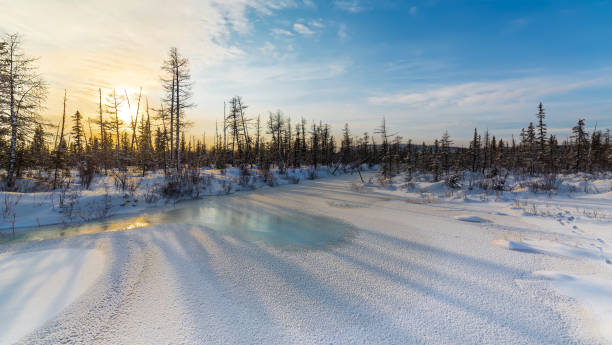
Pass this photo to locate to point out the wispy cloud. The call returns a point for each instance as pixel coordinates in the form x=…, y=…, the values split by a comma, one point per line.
x=483, y=94
x=309, y=3
x=303, y=29
x=282, y=32
x=317, y=23
x=88, y=44
x=351, y=6
x=342, y=33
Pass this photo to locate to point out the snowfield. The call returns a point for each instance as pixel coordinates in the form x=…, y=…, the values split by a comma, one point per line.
x=37, y=285
x=422, y=264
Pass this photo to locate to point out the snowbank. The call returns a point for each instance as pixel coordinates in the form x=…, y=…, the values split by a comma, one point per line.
x=35, y=286
x=593, y=292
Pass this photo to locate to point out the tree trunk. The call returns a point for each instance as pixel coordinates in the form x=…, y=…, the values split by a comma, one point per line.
x=10, y=179
x=178, y=127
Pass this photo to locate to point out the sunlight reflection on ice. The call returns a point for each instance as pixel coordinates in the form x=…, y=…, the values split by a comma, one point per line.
x=251, y=218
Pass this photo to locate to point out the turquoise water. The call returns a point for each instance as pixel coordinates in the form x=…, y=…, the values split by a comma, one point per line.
x=245, y=217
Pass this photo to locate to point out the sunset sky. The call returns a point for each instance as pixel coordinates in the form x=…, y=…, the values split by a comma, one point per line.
x=425, y=65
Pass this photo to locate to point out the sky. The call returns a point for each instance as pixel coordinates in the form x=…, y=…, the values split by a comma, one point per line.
x=426, y=66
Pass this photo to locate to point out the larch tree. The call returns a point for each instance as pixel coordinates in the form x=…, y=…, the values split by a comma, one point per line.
x=113, y=103
x=177, y=86
x=22, y=94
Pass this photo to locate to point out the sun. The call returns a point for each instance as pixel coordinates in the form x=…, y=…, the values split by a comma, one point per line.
x=128, y=106
x=125, y=113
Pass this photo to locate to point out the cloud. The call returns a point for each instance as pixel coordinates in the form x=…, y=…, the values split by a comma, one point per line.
x=342, y=34
x=309, y=3
x=269, y=49
x=282, y=32
x=485, y=94
x=351, y=6
x=413, y=11
x=85, y=45
x=317, y=23
x=302, y=29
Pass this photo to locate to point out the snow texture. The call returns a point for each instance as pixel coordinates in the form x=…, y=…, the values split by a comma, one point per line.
x=35, y=286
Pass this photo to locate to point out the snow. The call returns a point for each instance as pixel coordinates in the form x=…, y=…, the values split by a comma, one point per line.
x=414, y=268
x=572, y=220
x=36, y=286
x=593, y=291
x=473, y=219
x=551, y=247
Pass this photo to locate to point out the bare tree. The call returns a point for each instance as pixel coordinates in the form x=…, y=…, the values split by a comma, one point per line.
x=22, y=94
x=177, y=85
x=113, y=102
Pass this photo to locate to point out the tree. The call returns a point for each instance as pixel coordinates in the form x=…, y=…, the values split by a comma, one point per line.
x=541, y=128
x=177, y=85
x=145, y=147
x=60, y=149
x=475, y=150
x=275, y=128
x=113, y=103
x=579, y=137
x=22, y=94
x=383, y=130
x=445, y=144
x=38, y=149
x=77, y=133
x=346, y=145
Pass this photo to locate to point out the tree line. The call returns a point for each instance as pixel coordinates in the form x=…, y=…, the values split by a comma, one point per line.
x=155, y=137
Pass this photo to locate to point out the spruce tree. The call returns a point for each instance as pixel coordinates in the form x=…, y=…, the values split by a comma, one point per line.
x=541, y=129
x=475, y=150
x=580, y=144
x=77, y=133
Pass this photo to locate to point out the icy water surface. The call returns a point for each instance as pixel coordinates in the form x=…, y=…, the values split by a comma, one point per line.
x=247, y=217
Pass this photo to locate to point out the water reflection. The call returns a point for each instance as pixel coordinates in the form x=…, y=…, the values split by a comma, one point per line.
x=245, y=217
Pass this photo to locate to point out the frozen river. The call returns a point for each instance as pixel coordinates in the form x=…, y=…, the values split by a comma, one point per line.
x=243, y=215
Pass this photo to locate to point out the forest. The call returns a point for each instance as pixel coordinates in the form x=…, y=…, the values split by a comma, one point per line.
x=157, y=138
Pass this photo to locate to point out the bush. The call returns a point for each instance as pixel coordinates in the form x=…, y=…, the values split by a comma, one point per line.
x=189, y=183
x=454, y=181
x=87, y=171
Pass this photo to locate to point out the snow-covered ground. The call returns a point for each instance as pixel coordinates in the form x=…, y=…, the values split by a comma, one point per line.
x=37, y=285
x=419, y=265
x=573, y=219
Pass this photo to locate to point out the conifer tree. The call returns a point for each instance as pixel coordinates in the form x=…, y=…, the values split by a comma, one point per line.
x=541, y=128
x=475, y=150
x=580, y=144
x=77, y=133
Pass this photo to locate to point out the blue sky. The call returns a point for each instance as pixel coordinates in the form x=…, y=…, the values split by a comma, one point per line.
x=426, y=66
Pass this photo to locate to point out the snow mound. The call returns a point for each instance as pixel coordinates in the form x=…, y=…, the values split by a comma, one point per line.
x=593, y=292
x=472, y=219
x=514, y=245
x=36, y=286
x=552, y=248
